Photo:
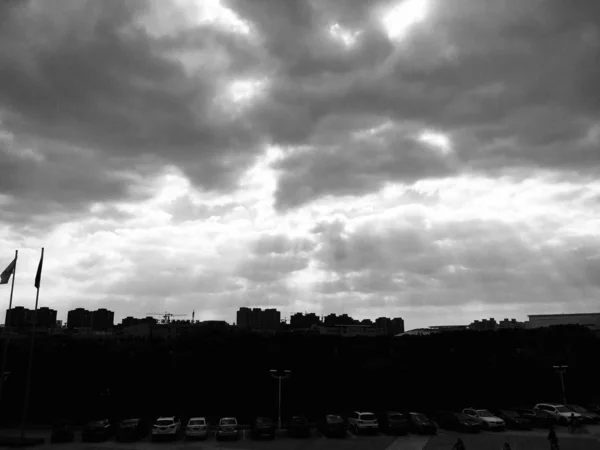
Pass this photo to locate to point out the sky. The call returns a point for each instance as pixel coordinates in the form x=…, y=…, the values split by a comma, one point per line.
x=435, y=160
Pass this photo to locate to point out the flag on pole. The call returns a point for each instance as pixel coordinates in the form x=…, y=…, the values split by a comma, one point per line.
x=38, y=275
x=10, y=270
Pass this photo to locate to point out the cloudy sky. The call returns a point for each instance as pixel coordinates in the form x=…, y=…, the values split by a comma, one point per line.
x=430, y=159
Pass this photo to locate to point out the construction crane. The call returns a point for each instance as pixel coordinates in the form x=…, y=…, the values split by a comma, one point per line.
x=166, y=316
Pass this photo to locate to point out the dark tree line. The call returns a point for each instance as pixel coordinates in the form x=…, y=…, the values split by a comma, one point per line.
x=228, y=373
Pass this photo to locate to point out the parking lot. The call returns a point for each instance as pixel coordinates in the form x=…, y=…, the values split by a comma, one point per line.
x=589, y=439
x=281, y=442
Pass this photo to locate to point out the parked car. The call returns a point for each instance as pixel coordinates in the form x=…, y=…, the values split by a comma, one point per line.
x=393, y=422
x=97, y=430
x=450, y=420
x=196, y=428
x=363, y=422
x=539, y=418
x=332, y=425
x=514, y=420
x=587, y=415
x=421, y=424
x=62, y=431
x=263, y=427
x=227, y=428
x=299, y=427
x=561, y=412
x=488, y=420
x=131, y=430
x=167, y=427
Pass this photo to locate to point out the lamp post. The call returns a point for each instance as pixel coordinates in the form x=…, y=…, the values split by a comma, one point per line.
x=561, y=370
x=280, y=375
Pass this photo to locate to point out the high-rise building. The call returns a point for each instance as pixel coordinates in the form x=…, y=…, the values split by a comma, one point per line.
x=332, y=320
x=271, y=319
x=257, y=319
x=79, y=318
x=18, y=317
x=303, y=321
x=102, y=319
x=390, y=326
x=46, y=317
x=243, y=317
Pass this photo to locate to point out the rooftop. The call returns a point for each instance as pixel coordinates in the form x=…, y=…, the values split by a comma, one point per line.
x=563, y=315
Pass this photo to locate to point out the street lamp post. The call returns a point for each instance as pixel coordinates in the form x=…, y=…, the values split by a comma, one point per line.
x=280, y=375
x=561, y=370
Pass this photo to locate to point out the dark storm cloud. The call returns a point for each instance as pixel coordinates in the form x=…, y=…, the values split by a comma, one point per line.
x=357, y=167
x=516, y=90
x=85, y=75
x=525, y=72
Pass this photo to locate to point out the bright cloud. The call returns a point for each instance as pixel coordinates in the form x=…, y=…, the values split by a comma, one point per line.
x=388, y=158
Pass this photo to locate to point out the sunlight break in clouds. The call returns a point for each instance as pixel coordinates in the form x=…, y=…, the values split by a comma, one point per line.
x=401, y=17
x=207, y=155
x=347, y=37
x=436, y=139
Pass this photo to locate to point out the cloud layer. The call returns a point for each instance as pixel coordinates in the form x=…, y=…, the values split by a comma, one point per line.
x=325, y=156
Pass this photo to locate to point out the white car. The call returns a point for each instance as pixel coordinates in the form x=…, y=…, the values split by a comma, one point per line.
x=166, y=427
x=196, y=428
x=486, y=418
x=228, y=428
x=560, y=412
x=363, y=421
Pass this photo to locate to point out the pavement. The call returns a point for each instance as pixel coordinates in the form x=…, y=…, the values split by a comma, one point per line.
x=444, y=440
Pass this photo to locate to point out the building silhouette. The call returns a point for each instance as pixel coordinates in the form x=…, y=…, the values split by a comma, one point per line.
x=390, y=326
x=243, y=317
x=331, y=320
x=102, y=319
x=79, y=318
x=18, y=317
x=484, y=325
x=510, y=324
x=130, y=321
x=258, y=319
x=46, y=317
x=304, y=321
x=21, y=317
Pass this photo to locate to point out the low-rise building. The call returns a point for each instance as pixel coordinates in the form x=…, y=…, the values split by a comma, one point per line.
x=590, y=320
x=510, y=324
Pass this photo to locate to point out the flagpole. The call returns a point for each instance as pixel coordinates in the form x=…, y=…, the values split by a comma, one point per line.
x=29, y=369
x=6, y=331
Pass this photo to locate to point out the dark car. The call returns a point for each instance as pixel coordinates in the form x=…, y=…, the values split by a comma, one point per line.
x=299, y=427
x=97, y=430
x=450, y=420
x=514, y=420
x=421, y=424
x=263, y=427
x=589, y=417
x=131, y=430
x=332, y=425
x=62, y=431
x=393, y=422
x=538, y=417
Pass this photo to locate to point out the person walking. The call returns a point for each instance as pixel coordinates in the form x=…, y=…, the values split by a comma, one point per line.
x=553, y=439
x=459, y=445
x=506, y=446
